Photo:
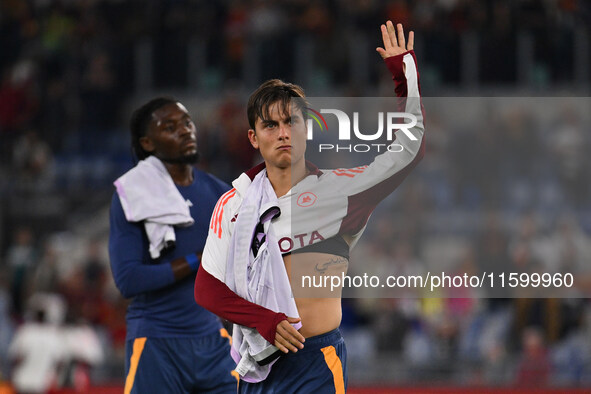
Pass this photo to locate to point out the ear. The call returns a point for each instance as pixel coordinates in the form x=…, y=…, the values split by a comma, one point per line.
x=146, y=144
x=252, y=137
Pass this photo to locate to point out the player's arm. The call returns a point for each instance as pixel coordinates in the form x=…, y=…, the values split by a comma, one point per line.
x=389, y=168
x=214, y=295
x=127, y=255
x=366, y=186
x=275, y=327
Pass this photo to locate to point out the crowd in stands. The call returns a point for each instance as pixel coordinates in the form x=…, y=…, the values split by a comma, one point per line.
x=507, y=190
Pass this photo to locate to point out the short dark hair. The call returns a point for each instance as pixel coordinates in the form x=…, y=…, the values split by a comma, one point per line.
x=140, y=119
x=270, y=92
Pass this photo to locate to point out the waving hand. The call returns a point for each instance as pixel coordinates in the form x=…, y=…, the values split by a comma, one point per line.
x=394, y=45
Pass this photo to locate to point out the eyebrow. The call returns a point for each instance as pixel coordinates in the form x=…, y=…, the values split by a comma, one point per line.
x=168, y=121
x=268, y=122
x=286, y=119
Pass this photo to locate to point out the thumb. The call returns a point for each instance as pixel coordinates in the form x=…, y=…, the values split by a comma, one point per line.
x=293, y=320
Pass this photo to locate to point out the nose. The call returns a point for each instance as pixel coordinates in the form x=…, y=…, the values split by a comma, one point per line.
x=284, y=131
x=185, y=129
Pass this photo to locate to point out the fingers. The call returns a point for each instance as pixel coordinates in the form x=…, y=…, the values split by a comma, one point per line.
x=401, y=41
x=293, y=331
x=382, y=52
x=283, y=345
x=287, y=338
x=394, y=40
x=392, y=33
x=386, y=38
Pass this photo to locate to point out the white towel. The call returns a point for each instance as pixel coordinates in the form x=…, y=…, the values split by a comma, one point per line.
x=147, y=193
x=261, y=279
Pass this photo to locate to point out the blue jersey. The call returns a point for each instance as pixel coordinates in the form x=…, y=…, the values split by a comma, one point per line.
x=161, y=307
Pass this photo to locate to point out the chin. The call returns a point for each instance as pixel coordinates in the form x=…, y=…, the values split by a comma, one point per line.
x=282, y=164
x=192, y=158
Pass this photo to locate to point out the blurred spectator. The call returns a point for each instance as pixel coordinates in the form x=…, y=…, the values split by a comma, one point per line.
x=491, y=338
x=225, y=139
x=33, y=159
x=84, y=351
x=99, y=100
x=84, y=287
x=46, y=277
x=18, y=104
x=567, y=145
x=492, y=252
x=496, y=366
x=37, y=350
x=21, y=258
x=6, y=328
x=527, y=256
x=18, y=100
x=235, y=46
x=572, y=356
x=570, y=248
x=518, y=132
x=479, y=182
x=527, y=248
x=534, y=368
x=267, y=30
x=497, y=184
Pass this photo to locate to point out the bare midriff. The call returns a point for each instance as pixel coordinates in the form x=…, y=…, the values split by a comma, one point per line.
x=318, y=304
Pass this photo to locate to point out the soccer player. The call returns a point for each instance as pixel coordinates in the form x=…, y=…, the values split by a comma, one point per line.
x=331, y=220
x=159, y=217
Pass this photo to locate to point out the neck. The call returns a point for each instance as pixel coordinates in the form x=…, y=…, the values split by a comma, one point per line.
x=181, y=174
x=283, y=179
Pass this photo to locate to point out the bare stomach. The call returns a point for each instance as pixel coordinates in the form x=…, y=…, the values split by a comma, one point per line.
x=317, y=300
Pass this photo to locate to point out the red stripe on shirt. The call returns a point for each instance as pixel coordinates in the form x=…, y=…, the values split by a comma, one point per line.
x=219, y=212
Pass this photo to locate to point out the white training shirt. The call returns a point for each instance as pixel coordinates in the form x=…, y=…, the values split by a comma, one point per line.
x=326, y=202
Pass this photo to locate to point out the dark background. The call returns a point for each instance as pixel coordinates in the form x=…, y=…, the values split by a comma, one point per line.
x=72, y=71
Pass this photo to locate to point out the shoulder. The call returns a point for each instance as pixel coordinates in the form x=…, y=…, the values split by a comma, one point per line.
x=116, y=202
x=226, y=208
x=117, y=215
x=212, y=180
x=229, y=199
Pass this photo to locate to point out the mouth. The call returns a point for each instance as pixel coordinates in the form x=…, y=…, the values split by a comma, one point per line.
x=189, y=143
x=284, y=147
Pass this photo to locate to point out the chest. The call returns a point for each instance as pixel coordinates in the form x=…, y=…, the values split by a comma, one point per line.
x=309, y=214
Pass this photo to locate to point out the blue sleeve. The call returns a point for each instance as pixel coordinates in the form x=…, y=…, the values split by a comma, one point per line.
x=133, y=271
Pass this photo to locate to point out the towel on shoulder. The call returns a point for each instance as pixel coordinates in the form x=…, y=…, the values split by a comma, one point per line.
x=148, y=193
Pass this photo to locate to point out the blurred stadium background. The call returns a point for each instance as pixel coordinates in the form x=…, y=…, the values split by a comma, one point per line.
x=72, y=71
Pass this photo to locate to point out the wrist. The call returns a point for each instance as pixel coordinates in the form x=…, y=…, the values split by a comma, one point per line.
x=268, y=328
x=193, y=261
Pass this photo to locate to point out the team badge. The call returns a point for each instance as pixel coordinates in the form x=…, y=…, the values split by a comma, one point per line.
x=306, y=199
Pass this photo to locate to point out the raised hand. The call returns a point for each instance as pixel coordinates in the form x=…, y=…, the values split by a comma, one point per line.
x=394, y=45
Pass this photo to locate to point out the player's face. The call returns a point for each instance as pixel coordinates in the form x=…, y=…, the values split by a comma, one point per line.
x=171, y=135
x=281, y=139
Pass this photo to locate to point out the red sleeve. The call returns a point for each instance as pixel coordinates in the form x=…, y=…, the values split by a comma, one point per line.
x=362, y=203
x=216, y=297
x=394, y=64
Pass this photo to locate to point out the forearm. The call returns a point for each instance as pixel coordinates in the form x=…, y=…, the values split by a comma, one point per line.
x=216, y=297
x=137, y=278
x=134, y=277
x=407, y=86
x=130, y=262
x=369, y=185
x=185, y=266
